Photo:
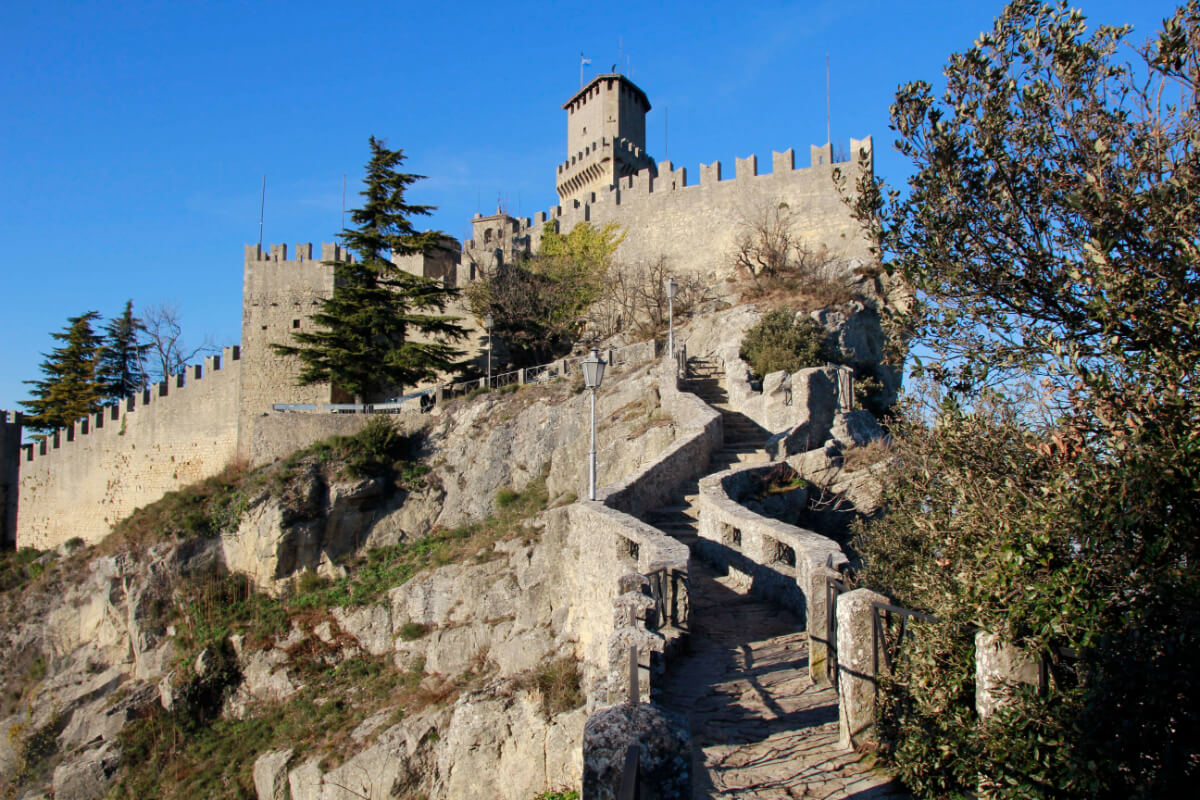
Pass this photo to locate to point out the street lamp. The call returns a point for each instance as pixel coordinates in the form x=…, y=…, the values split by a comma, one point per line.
x=671, y=287
x=487, y=321
x=593, y=374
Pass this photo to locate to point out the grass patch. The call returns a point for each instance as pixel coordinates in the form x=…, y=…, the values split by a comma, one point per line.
x=411, y=631
x=506, y=497
x=558, y=683
x=18, y=568
x=559, y=794
x=171, y=755
x=866, y=455
x=782, y=478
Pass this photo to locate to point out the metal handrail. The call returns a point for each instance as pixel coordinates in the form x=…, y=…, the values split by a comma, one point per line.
x=880, y=616
x=834, y=588
x=558, y=368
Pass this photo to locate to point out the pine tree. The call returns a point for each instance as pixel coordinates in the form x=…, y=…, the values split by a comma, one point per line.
x=364, y=342
x=120, y=370
x=69, y=390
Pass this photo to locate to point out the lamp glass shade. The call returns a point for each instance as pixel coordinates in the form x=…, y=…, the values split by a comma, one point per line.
x=487, y=321
x=671, y=286
x=593, y=370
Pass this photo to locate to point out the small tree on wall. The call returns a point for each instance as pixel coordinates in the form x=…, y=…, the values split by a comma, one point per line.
x=69, y=390
x=364, y=342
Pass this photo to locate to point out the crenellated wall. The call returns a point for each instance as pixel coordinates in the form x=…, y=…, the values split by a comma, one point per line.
x=695, y=226
x=80, y=480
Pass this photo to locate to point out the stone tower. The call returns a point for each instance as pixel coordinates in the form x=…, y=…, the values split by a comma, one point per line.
x=606, y=137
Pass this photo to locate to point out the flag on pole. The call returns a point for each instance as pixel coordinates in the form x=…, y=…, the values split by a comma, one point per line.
x=582, y=61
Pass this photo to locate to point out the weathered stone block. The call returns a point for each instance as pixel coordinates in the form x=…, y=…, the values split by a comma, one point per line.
x=856, y=669
x=999, y=666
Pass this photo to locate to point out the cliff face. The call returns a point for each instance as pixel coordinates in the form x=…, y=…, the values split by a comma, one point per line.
x=341, y=637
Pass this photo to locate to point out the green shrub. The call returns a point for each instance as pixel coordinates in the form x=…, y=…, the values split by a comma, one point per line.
x=411, y=631
x=567, y=794
x=783, y=341
x=506, y=497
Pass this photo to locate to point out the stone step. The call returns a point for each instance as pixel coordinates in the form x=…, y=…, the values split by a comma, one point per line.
x=667, y=512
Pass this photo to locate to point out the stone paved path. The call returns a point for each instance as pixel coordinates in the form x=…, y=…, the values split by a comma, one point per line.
x=761, y=729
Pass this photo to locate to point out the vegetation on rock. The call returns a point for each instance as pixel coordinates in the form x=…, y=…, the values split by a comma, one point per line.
x=784, y=340
x=538, y=303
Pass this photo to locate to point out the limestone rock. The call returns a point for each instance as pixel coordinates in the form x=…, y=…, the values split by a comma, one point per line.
x=855, y=429
x=87, y=776
x=102, y=720
x=664, y=746
x=370, y=625
x=270, y=775
x=499, y=745
x=265, y=678
x=859, y=338
x=304, y=782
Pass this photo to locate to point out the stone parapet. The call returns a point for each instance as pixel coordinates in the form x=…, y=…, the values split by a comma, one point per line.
x=783, y=562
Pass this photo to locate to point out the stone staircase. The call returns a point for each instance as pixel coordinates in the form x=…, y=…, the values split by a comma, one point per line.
x=761, y=729
x=743, y=444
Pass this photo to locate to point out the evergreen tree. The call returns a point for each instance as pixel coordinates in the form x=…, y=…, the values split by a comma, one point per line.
x=120, y=370
x=69, y=390
x=365, y=343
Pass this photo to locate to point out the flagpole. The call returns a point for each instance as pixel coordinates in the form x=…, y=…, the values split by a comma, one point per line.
x=582, y=61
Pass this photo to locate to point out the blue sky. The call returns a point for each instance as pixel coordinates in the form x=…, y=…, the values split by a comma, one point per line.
x=134, y=136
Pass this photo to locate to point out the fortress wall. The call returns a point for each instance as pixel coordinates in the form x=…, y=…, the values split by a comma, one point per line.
x=696, y=225
x=83, y=479
x=279, y=296
x=10, y=451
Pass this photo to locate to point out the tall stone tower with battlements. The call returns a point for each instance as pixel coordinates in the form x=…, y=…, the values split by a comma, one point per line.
x=606, y=136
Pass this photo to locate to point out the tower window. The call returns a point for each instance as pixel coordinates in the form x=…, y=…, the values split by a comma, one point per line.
x=295, y=323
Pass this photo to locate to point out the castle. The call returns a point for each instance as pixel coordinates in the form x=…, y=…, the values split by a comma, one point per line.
x=81, y=480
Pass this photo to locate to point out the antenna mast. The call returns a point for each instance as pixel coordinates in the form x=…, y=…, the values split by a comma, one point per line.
x=261, y=210
x=828, y=135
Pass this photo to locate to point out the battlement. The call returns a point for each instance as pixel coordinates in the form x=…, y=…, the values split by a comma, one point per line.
x=617, y=145
x=330, y=251
x=650, y=186
x=110, y=420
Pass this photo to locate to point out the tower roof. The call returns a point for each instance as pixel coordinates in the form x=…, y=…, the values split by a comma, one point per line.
x=610, y=76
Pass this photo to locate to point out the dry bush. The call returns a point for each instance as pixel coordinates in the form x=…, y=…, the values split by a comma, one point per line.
x=557, y=682
x=866, y=455
x=636, y=299
x=773, y=264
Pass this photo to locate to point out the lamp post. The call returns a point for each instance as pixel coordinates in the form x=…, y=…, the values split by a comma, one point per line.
x=671, y=287
x=488, y=321
x=593, y=375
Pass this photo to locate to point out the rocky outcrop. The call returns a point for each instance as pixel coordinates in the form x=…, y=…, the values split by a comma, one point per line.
x=486, y=625
x=664, y=751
